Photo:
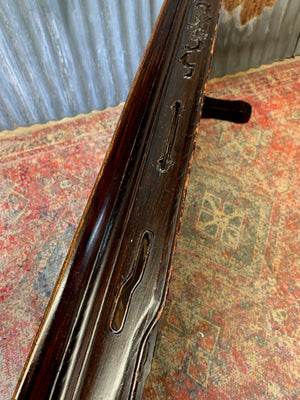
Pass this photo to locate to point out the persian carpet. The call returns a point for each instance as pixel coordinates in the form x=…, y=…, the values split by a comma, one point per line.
x=47, y=173
x=231, y=326
x=230, y=329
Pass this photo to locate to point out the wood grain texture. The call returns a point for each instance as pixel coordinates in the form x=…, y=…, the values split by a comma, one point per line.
x=94, y=341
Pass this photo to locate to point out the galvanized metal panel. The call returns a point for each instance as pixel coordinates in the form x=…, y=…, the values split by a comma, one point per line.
x=61, y=58
x=270, y=37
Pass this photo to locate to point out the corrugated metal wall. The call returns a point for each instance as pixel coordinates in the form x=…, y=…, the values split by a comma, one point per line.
x=60, y=58
x=270, y=37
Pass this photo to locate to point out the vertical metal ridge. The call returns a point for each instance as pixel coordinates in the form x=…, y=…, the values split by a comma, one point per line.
x=114, y=40
x=73, y=85
x=129, y=28
x=144, y=21
x=14, y=74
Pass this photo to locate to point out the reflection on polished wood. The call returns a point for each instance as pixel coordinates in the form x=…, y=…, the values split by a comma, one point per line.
x=97, y=336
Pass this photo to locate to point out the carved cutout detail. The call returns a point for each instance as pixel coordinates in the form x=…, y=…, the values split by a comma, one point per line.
x=198, y=29
x=166, y=161
x=127, y=289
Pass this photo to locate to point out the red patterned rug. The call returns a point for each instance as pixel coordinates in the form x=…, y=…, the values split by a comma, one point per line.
x=47, y=173
x=231, y=325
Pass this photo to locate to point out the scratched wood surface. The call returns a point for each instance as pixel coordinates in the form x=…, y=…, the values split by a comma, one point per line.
x=98, y=333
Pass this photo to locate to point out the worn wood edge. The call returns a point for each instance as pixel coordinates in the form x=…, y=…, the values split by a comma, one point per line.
x=62, y=275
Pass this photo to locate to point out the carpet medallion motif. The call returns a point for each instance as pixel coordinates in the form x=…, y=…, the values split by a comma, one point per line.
x=225, y=225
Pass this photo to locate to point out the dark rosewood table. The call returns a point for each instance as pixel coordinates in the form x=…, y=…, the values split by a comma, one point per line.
x=97, y=337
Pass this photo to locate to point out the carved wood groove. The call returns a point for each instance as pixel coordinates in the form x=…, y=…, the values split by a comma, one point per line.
x=83, y=350
x=126, y=291
x=166, y=161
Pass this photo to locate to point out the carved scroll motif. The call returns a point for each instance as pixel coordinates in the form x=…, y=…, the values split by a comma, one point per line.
x=198, y=35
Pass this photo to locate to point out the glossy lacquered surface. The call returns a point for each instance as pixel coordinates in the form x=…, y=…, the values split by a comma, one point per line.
x=94, y=342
